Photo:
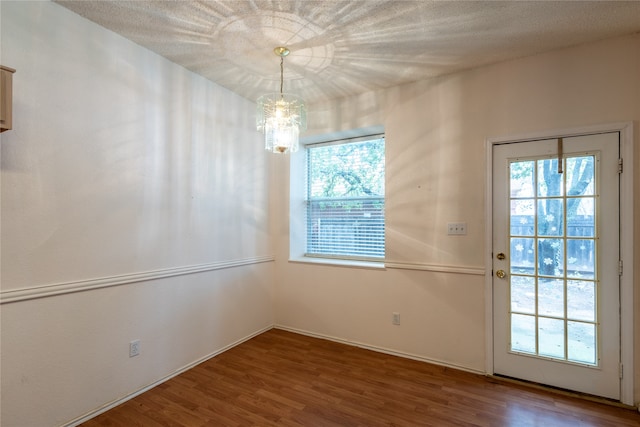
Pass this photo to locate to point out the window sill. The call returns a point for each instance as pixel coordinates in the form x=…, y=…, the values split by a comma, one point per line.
x=375, y=265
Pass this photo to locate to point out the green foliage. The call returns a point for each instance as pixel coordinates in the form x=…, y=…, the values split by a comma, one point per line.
x=347, y=170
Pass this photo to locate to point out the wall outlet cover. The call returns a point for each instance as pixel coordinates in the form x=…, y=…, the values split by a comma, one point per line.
x=134, y=348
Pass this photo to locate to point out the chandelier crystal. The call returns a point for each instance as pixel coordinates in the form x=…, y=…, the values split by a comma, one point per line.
x=281, y=116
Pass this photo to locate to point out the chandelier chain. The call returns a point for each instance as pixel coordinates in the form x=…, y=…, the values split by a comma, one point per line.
x=281, y=73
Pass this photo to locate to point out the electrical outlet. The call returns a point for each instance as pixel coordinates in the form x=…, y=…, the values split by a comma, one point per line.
x=395, y=318
x=134, y=348
x=456, y=228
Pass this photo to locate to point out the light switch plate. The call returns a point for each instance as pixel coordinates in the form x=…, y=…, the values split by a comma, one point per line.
x=456, y=228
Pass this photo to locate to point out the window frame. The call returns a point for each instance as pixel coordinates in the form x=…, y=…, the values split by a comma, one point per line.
x=298, y=200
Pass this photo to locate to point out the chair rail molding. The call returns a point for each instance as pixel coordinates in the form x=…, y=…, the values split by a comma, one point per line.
x=438, y=268
x=43, y=291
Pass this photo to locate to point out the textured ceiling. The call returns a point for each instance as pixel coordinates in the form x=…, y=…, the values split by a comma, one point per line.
x=341, y=48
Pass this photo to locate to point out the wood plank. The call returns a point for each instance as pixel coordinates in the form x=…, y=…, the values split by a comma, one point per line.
x=283, y=379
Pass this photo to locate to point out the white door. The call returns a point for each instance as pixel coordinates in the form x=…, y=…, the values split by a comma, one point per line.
x=555, y=262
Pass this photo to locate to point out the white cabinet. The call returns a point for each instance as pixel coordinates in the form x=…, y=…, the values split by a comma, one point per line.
x=6, y=97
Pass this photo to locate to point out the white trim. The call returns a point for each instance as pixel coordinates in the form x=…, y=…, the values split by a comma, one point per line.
x=124, y=279
x=626, y=242
x=564, y=133
x=456, y=269
x=488, y=258
x=379, y=349
x=351, y=134
x=337, y=262
x=626, y=253
x=113, y=404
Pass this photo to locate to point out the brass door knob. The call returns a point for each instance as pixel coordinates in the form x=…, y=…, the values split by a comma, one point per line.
x=501, y=274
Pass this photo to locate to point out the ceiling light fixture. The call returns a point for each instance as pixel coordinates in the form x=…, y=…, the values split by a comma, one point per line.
x=281, y=116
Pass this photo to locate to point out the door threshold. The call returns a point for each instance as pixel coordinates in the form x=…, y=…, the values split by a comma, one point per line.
x=562, y=391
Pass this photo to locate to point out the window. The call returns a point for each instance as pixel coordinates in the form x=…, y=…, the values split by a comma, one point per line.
x=345, y=199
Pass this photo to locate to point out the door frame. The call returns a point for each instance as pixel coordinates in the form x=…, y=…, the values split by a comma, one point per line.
x=626, y=242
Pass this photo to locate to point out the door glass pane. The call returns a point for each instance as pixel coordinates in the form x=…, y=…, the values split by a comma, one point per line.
x=551, y=297
x=523, y=217
x=581, y=258
x=580, y=175
x=551, y=337
x=581, y=342
x=522, y=179
x=522, y=256
x=523, y=333
x=550, y=257
x=550, y=217
x=581, y=217
x=553, y=292
x=550, y=182
x=523, y=294
x=581, y=300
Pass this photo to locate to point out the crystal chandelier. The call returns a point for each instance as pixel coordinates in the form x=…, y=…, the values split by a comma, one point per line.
x=281, y=116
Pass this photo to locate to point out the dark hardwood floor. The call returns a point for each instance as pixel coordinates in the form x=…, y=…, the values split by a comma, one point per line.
x=285, y=379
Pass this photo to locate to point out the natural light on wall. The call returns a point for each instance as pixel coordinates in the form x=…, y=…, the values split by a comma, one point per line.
x=281, y=116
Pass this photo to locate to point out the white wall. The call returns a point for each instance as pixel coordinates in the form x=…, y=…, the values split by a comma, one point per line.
x=135, y=205
x=436, y=131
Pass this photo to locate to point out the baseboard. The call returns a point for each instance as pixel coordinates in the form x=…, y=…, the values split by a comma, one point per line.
x=381, y=350
x=94, y=413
